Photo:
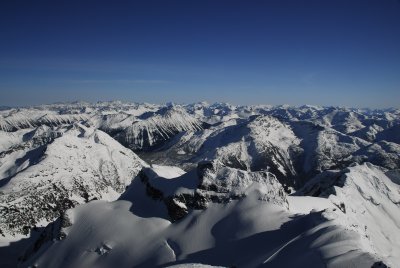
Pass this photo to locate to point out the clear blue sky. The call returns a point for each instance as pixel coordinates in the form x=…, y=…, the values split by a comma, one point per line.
x=327, y=52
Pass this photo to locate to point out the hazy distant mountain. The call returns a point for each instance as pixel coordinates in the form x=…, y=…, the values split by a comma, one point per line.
x=116, y=184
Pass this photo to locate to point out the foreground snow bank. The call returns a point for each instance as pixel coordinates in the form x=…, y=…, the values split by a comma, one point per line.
x=248, y=232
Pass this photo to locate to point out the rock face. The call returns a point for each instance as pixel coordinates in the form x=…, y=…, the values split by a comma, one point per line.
x=210, y=182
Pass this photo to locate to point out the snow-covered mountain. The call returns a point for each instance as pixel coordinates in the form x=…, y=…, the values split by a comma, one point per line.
x=55, y=168
x=142, y=185
x=152, y=129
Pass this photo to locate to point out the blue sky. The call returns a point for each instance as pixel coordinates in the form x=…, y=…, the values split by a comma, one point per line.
x=295, y=52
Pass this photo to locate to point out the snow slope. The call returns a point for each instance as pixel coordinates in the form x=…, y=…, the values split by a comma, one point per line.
x=250, y=232
x=369, y=197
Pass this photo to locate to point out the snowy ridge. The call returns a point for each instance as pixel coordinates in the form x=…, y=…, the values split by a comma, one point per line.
x=371, y=202
x=162, y=126
x=19, y=121
x=368, y=202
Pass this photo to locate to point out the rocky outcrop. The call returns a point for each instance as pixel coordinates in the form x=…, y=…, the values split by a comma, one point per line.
x=212, y=183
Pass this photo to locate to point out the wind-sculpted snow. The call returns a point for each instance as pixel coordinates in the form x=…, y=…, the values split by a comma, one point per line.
x=368, y=198
x=249, y=232
x=225, y=185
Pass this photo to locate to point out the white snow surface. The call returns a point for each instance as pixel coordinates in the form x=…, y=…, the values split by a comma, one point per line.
x=167, y=172
x=264, y=234
x=372, y=202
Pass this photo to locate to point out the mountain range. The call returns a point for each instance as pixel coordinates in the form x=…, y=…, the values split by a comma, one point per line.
x=118, y=184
